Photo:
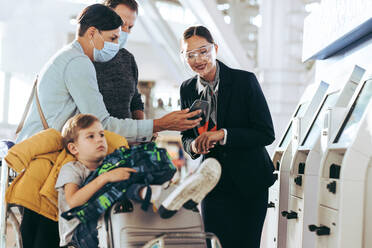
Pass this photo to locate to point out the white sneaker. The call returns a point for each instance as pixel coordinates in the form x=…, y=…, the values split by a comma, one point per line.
x=193, y=189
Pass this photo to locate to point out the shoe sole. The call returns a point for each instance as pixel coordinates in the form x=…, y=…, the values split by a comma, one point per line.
x=194, y=188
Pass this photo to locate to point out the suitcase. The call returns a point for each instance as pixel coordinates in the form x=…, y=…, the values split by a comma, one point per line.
x=126, y=225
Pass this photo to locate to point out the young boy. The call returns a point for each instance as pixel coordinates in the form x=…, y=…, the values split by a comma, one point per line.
x=83, y=137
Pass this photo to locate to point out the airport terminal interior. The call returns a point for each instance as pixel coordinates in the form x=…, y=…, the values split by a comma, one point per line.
x=313, y=60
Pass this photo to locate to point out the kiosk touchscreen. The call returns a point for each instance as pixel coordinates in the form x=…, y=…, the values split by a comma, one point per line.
x=344, y=218
x=282, y=155
x=303, y=179
x=307, y=106
x=270, y=226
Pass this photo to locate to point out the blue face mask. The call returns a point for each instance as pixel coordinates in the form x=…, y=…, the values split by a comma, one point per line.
x=108, y=51
x=123, y=39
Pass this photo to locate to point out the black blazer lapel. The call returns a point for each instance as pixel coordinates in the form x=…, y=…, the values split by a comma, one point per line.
x=224, y=94
x=194, y=92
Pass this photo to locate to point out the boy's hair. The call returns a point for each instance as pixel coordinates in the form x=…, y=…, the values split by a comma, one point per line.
x=70, y=131
x=132, y=4
x=99, y=16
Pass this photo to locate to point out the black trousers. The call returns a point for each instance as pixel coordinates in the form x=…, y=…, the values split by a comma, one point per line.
x=38, y=231
x=236, y=220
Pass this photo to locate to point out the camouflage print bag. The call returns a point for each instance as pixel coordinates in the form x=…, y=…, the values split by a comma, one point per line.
x=153, y=166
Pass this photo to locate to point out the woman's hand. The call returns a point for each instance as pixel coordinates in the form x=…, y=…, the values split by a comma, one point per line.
x=204, y=142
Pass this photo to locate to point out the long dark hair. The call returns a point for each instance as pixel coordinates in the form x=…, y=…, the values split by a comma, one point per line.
x=199, y=31
x=100, y=17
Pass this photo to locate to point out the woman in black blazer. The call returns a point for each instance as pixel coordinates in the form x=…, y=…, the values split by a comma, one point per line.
x=235, y=131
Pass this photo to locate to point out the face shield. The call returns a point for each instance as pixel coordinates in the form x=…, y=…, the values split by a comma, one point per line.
x=204, y=54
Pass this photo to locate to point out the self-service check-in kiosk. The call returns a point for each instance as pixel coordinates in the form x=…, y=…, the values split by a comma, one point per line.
x=345, y=188
x=282, y=155
x=303, y=179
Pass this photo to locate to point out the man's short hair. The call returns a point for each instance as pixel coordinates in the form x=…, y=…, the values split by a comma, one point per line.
x=98, y=16
x=70, y=131
x=132, y=4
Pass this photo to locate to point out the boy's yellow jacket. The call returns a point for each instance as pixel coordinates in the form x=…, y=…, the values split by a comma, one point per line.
x=38, y=160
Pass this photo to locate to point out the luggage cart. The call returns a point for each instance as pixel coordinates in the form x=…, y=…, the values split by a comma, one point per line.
x=7, y=211
x=161, y=241
x=164, y=234
x=125, y=224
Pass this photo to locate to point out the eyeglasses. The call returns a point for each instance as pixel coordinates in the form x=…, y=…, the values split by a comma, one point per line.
x=201, y=52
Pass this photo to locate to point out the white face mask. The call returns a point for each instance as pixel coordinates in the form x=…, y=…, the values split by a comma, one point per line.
x=109, y=50
x=123, y=39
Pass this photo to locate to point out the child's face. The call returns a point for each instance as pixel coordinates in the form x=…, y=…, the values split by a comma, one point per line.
x=91, y=145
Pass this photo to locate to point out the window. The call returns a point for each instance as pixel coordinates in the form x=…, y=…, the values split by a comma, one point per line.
x=2, y=89
x=20, y=89
x=175, y=13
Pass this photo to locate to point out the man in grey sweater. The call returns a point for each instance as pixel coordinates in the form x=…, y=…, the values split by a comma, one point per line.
x=118, y=78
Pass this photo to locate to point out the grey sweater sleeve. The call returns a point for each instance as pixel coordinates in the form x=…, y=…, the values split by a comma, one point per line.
x=90, y=101
x=136, y=103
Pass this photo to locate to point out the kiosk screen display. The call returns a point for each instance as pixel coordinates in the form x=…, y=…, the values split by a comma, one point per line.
x=316, y=126
x=348, y=128
x=301, y=109
x=287, y=137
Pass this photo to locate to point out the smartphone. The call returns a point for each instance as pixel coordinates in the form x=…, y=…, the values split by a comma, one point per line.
x=199, y=104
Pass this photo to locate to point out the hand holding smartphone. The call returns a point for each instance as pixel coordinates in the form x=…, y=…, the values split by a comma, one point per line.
x=203, y=106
